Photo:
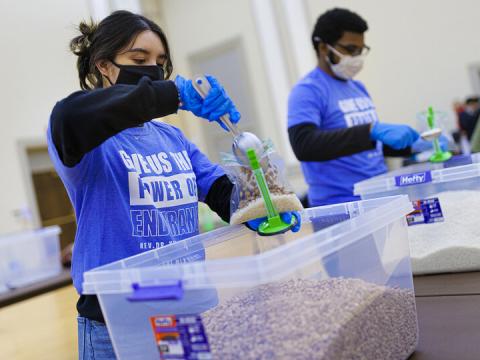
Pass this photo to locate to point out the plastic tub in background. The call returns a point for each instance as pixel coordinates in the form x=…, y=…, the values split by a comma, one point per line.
x=3, y=276
x=370, y=187
x=3, y=284
x=29, y=256
x=155, y=303
x=443, y=234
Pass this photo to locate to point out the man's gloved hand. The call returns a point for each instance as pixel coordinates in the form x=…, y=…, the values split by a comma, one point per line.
x=422, y=145
x=396, y=136
x=215, y=104
x=286, y=217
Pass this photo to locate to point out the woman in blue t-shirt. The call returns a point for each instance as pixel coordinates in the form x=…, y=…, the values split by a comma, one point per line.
x=134, y=183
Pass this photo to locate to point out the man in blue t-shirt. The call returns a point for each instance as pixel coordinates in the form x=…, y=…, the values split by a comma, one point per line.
x=332, y=122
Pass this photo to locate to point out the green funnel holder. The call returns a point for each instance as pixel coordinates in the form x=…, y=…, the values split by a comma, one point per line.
x=274, y=224
x=439, y=155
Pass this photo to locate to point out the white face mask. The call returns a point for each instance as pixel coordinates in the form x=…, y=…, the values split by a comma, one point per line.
x=348, y=66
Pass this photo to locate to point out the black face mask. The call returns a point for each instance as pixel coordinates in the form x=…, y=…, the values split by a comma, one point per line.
x=131, y=74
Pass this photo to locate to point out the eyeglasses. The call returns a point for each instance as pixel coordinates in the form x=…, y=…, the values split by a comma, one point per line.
x=354, y=50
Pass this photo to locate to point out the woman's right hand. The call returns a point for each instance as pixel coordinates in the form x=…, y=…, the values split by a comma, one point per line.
x=216, y=104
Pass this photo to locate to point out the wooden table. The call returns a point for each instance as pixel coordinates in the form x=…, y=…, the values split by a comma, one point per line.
x=447, y=284
x=448, y=308
x=40, y=328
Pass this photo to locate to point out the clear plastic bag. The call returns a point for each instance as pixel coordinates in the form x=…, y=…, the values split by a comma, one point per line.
x=247, y=202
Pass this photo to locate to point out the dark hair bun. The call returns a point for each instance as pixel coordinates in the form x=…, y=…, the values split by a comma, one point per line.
x=81, y=44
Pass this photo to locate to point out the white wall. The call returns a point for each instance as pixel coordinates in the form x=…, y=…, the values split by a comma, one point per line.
x=36, y=70
x=420, y=52
x=193, y=26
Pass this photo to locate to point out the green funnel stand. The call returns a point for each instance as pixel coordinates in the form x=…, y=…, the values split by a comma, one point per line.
x=439, y=155
x=274, y=224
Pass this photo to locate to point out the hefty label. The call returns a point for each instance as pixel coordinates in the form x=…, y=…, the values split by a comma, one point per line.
x=413, y=179
x=427, y=211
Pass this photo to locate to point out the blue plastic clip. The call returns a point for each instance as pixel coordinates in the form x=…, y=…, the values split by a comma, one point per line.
x=165, y=290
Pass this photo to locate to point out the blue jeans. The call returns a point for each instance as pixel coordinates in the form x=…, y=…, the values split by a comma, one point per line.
x=93, y=340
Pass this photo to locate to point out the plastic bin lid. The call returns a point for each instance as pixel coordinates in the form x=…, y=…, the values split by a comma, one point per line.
x=458, y=168
x=274, y=263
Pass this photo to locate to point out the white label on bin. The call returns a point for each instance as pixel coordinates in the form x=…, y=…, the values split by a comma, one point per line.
x=180, y=337
x=427, y=211
x=413, y=179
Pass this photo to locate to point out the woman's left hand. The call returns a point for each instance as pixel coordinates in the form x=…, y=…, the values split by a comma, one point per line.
x=216, y=104
x=286, y=217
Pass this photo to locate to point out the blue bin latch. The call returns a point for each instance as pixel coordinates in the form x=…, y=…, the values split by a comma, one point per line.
x=164, y=290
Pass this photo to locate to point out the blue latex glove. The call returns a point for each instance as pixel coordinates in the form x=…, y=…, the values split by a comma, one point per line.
x=286, y=217
x=422, y=145
x=396, y=136
x=215, y=104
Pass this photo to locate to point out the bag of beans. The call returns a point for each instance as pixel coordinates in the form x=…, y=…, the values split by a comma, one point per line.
x=247, y=201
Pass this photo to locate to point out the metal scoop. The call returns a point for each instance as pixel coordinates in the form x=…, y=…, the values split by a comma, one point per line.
x=242, y=141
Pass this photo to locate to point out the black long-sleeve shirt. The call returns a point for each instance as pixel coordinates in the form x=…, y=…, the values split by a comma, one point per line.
x=310, y=143
x=84, y=120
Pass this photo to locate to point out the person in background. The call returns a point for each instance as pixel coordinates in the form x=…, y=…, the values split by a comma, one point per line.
x=475, y=137
x=458, y=135
x=333, y=126
x=134, y=183
x=468, y=117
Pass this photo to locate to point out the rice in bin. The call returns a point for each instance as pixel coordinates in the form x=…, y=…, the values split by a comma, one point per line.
x=310, y=319
x=452, y=245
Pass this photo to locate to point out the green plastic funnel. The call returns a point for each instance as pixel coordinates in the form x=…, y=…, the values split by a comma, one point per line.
x=439, y=155
x=274, y=223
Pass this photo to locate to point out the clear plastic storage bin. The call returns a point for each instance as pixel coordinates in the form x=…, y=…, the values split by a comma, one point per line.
x=444, y=234
x=3, y=283
x=29, y=256
x=340, y=288
x=459, y=173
